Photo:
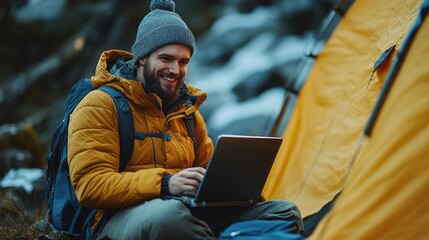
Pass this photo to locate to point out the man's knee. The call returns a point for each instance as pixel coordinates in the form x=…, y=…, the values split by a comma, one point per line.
x=171, y=219
x=162, y=212
x=152, y=219
x=282, y=210
x=284, y=207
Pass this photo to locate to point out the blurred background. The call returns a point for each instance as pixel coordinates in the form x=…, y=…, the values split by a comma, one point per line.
x=247, y=51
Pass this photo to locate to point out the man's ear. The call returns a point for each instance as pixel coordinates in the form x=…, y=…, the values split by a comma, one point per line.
x=142, y=61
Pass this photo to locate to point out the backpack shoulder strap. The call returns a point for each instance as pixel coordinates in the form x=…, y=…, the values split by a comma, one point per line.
x=126, y=126
x=190, y=126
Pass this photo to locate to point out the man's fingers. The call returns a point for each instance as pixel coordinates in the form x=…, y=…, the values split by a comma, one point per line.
x=201, y=170
x=191, y=175
x=195, y=176
x=187, y=180
x=197, y=169
x=191, y=182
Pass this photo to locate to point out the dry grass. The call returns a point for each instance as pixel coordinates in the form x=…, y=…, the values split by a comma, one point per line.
x=18, y=219
x=20, y=225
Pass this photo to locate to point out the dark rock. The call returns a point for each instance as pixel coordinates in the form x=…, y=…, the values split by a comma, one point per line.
x=14, y=158
x=20, y=146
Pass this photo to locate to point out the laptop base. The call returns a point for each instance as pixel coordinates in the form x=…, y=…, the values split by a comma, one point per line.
x=190, y=202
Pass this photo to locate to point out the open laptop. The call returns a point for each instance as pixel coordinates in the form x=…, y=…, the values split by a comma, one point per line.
x=236, y=173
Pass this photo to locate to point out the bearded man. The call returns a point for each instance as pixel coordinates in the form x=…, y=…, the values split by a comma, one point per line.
x=152, y=78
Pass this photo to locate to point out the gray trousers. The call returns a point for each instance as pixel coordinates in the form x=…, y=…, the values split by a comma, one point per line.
x=170, y=219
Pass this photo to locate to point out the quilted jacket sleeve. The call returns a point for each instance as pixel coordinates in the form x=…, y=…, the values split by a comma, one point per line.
x=93, y=157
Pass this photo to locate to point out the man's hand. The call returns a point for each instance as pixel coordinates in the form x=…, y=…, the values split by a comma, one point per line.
x=187, y=181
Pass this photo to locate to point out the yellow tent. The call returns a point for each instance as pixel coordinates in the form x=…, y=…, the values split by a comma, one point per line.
x=322, y=137
x=385, y=196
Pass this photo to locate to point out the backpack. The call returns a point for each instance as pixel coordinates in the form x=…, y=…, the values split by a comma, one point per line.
x=65, y=216
x=262, y=230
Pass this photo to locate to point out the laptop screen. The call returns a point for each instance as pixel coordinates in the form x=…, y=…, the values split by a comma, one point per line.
x=238, y=168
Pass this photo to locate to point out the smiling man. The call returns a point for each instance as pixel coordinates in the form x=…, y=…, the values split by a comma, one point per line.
x=152, y=78
x=164, y=72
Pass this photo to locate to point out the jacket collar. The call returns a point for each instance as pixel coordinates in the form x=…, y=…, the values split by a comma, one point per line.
x=115, y=69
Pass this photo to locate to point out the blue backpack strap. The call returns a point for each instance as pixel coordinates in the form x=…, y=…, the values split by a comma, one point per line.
x=126, y=126
x=191, y=124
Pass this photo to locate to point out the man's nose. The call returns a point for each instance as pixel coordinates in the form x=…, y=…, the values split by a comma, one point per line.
x=174, y=68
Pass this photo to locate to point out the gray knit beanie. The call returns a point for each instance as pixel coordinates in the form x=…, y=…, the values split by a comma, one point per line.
x=161, y=27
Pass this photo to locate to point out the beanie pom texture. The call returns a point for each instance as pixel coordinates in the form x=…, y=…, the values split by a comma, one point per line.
x=167, y=5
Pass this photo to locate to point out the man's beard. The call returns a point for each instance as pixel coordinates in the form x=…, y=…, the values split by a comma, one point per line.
x=153, y=85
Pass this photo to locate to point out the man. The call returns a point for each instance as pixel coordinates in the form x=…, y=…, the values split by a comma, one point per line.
x=152, y=79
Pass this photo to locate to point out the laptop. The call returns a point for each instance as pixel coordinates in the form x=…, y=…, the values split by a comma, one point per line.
x=236, y=173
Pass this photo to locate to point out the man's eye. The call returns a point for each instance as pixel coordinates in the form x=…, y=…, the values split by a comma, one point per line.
x=184, y=63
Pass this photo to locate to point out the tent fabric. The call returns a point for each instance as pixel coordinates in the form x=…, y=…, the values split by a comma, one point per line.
x=385, y=195
x=335, y=103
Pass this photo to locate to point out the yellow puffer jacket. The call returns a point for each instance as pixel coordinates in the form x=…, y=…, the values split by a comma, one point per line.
x=93, y=144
